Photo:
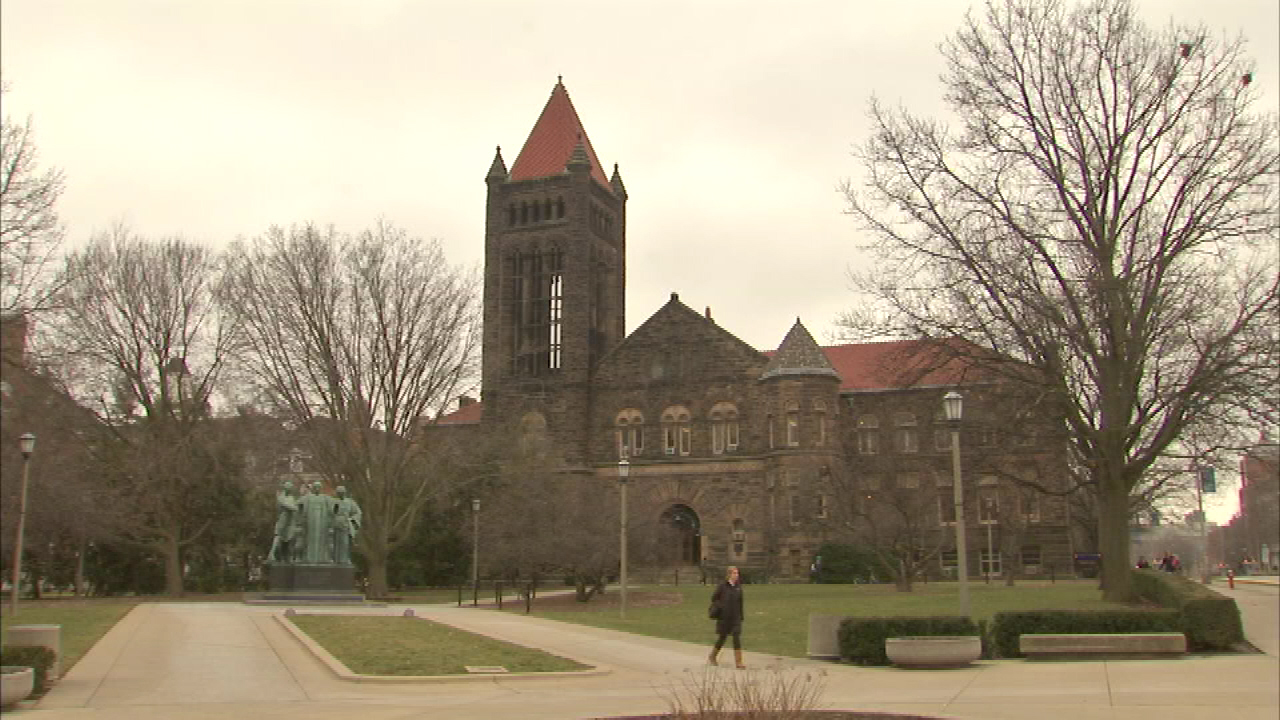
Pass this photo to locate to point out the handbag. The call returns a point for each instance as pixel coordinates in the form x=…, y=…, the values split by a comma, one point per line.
x=714, y=611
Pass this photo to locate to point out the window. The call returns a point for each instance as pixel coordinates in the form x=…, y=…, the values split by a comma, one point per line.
x=1031, y=555
x=820, y=511
x=677, y=436
x=908, y=481
x=868, y=435
x=873, y=482
x=820, y=412
x=942, y=439
x=630, y=433
x=797, y=511
x=739, y=537
x=986, y=435
x=946, y=506
x=724, y=428
x=989, y=562
x=768, y=419
x=905, y=431
x=988, y=501
x=793, y=424
x=948, y=558
x=1030, y=500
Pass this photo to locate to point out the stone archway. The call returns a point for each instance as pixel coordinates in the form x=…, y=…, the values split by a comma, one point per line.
x=686, y=533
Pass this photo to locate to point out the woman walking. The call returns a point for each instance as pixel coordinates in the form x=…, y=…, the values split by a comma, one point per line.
x=726, y=605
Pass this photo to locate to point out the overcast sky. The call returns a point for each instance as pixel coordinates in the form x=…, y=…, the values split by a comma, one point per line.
x=731, y=122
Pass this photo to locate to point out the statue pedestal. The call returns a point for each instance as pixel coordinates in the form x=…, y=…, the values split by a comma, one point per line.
x=314, y=583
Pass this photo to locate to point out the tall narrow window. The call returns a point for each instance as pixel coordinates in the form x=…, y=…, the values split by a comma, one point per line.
x=793, y=424
x=820, y=412
x=988, y=501
x=556, y=313
x=724, y=428
x=905, y=430
x=630, y=433
x=1030, y=500
x=677, y=435
x=534, y=306
x=868, y=435
x=768, y=419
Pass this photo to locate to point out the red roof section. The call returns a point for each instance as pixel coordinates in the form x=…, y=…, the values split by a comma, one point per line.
x=901, y=364
x=552, y=140
x=468, y=414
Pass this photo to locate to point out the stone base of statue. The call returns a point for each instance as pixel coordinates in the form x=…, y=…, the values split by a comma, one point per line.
x=311, y=583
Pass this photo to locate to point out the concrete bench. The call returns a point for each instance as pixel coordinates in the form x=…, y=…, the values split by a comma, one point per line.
x=1115, y=644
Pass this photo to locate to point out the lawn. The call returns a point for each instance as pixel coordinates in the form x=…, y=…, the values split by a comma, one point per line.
x=83, y=621
x=413, y=646
x=777, y=616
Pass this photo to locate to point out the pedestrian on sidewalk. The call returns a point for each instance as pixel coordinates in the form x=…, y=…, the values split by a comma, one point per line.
x=726, y=608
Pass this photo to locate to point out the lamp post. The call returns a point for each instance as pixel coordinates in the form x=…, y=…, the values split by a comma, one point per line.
x=27, y=444
x=624, y=471
x=475, y=550
x=953, y=406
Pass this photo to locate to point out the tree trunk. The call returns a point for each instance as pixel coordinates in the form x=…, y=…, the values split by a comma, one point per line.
x=79, y=576
x=172, y=567
x=377, y=563
x=1113, y=540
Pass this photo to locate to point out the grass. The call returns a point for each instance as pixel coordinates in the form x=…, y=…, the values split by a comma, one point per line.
x=83, y=622
x=413, y=646
x=777, y=616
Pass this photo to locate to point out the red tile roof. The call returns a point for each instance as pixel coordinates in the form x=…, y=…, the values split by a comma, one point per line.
x=893, y=365
x=552, y=140
x=469, y=414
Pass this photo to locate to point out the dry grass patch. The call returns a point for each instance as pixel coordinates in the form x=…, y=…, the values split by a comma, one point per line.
x=408, y=646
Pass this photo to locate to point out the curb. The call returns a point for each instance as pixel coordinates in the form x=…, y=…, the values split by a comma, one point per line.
x=342, y=672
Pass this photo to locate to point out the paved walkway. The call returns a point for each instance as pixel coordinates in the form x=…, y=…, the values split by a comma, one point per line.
x=192, y=661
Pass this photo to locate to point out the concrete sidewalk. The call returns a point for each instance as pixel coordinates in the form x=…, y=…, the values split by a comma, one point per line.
x=185, y=661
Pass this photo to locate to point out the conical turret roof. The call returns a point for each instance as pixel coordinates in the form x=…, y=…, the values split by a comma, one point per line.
x=799, y=354
x=552, y=141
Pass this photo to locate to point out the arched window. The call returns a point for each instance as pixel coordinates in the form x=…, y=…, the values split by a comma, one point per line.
x=511, y=215
x=537, y=211
x=630, y=433
x=677, y=436
x=793, y=424
x=739, y=537
x=559, y=207
x=546, y=209
x=908, y=440
x=724, y=428
x=868, y=435
x=524, y=213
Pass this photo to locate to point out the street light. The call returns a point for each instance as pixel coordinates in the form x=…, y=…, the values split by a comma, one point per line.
x=27, y=444
x=624, y=471
x=953, y=406
x=475, y=551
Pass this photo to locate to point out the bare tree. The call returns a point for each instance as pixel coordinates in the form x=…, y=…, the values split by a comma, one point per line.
x=1106, y=214
x=358, y=341
x=142, y=342
x=30, y=232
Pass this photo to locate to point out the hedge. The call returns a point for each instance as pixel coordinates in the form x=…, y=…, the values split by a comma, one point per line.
x=862, y=639
x=1007, y=626
x=1209, y=620
x=33, y=656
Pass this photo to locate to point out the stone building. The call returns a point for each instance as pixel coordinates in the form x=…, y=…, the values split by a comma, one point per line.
x=755, y=457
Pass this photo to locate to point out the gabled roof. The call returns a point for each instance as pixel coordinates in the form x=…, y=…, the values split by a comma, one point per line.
x=798, y=354
x=552, y=140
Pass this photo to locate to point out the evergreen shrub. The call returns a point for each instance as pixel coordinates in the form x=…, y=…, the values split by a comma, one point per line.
x=34, y=656
x=862, y=639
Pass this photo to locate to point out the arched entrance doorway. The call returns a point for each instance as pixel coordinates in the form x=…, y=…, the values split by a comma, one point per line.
x=686, y=534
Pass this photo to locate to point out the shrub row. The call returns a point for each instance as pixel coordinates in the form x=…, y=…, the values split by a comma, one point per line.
x=1209, y=620
x=1007, y=626
x=862, y=639
x=39, y=657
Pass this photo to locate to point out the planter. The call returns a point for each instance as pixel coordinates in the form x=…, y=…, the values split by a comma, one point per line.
x=933, y=651
x=16, y=683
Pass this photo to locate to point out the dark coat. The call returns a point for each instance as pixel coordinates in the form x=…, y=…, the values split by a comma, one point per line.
x=729, y=598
